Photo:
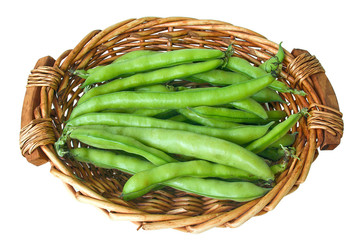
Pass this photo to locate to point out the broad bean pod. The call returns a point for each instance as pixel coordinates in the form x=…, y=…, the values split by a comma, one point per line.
x=151, y=62
x=285, y=141
x=98, y=138
x=199, y=146
x=153, y=77
x=279, y=167
x=194, y=117
x=217, y=189
x=247, y=104
x=153, y=88
x=267, y=95
x=234, y=115
x=240, y=134
x=241, y=65
x=218, y=77
x=276, y=133
x=147, y=179
x=275, y=154
x=251, y=106
x=135, y=54
x=111, y=160
x=178, y=118
x=173, y=100
x=272, y=63
x=124, y=57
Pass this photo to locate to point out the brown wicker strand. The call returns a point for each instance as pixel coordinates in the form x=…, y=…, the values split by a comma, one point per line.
x=39, y=132
x=326, y=118
x=304, y=66
x=45, y=76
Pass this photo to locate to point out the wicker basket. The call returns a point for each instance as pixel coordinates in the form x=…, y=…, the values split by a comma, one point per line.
x=52, y=93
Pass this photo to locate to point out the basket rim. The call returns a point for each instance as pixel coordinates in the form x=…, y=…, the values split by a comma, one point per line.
x=87, y=52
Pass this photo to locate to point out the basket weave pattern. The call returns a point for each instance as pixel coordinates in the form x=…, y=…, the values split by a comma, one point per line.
x=168, y=208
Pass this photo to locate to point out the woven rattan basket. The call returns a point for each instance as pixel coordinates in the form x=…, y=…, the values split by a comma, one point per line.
x=52, y=93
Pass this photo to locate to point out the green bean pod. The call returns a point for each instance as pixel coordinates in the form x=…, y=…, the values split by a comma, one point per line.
x=151, y=112
x=124, y=57
x=194, y=117
x=218, y=77
x=199, y=146
x=279, y=167
x=251, y=106
x=134, y=54
x=273, y=154
x=240, y=134
x=145, y=180
x=153, y=88
x=247, y=104
x=267, y=95
x=111, y=160
x=217, y=189
x=174, y=100
x=106, y=140
x=151, y=62
x=233, y=115
x=178, y=118
x=272, y=63
x=241, y=65
x=276, y=133
x=153, y=77
x=286, y=140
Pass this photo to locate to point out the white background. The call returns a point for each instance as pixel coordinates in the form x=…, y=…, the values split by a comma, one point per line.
x=35, y=205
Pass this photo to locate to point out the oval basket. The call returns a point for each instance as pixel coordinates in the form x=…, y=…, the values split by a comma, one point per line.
x=52, y=93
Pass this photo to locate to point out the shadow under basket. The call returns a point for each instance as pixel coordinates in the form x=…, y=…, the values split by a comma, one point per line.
x=53, y=91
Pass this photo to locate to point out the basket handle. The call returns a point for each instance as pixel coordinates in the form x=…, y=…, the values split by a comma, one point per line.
x=329, y=104
x=31, y=101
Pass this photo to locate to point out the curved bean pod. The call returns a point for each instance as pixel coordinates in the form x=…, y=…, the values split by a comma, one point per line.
x=150, y=78
x=276, y=133
x=153, y=88
x=267, y=95
x=286, y=140
x=272, y=63
x=151, y=62
x=106, y=140
x=237, y=64
x=251, y=106
x=236, y=191
x=247, y=104
x=243, y=66
x=273, y=154
x=233, y=115
x=193, y=116
x=240, y=135
x=174, y=100
x=124, y=57
x=218, y=189
x=111, y=160
x=134, y=54
x=199, y=146
x=145, y=180
x=219, y=77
